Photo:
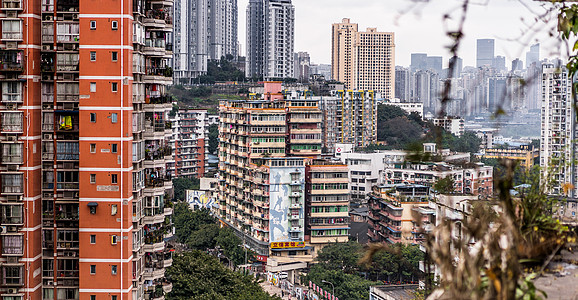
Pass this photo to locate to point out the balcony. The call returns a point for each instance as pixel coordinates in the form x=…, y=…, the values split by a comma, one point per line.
x=11, y=4
x=11, y=61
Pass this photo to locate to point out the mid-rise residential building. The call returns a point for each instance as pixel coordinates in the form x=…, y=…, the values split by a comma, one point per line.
x=558, y=133
x=391, y=213
x=368, y=170
x=204, y=30
x=524, y=154
x=327, y=202
x=350, y=117
x=409, y=107
x=270, y=38
x=82, y=207
x=267, y=146
x=363, y=60
x=190, y=143
x=453, y=125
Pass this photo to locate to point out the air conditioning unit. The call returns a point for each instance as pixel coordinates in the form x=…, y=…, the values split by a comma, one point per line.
x=3, y=229
x=11, y=138
x=12, y=291
x=13, y=167
x=12, y=229
x=12, y=260
x=47, y=136
x=11, y=14
x=46, y=47
x=11, y=106
x=11, y=45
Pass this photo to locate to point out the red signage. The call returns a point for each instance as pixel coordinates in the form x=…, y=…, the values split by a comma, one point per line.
x=262, y=258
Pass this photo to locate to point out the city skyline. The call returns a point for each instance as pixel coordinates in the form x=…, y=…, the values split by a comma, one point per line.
x=430, y=39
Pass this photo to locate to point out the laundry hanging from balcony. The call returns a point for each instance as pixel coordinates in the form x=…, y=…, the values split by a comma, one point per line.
x=65, y=122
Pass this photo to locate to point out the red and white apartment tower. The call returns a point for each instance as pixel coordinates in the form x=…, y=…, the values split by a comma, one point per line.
x=82, y=208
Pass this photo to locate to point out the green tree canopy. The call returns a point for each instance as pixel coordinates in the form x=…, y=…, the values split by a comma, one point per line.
x=196, y=275
x=181, y=184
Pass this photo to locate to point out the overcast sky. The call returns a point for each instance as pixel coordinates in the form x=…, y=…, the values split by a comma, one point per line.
x=419, y=27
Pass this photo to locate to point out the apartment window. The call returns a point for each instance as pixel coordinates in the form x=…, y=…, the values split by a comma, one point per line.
x=12, y=275
x=93, y=87
x=113, y=269
x=12, y=244
x=92, y=55
x=12, y=183
x=114, y=148
x=114, y=25
x=114, y=56
x=113, y=297
x=92, y=25
x=114, y=86
x=12, y=214
x=114, y=117
x=92, y=178
x=114, y=178
x=12, y=29
x=92, y=148
x=93, y=117
x=93, y=238
x=93, y=269
x=92, y=297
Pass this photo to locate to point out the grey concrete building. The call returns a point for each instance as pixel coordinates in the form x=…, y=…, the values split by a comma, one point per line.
x=203, y=30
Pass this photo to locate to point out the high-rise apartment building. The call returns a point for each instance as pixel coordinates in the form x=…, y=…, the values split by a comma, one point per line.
x=402, y=83
x=204, y=30
x=190, y=141
x=270, y=37
x=82, y=208
x=267, y=148
x=302, y=66
x=342, y=40
x=363, y=60
x=484, y=52
x=418, y=61
x=458, y=64
x=558, y=133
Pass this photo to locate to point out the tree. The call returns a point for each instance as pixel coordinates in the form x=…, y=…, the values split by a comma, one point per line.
x=203, y=238
x=196, y=275
x=399, y=132
x=181, y=184
x=233, y=246
x=342, y=256
x=213, y=138
x=445, y=185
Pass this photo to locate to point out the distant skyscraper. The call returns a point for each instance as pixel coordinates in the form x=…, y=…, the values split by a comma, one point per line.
x=402, y=83
x=418, y=61
x=203, y=30
x=457, y=66
x=497, y=94
x=270, y=37
x=372, y=58
x=517, y=65
x=485, y=52
x=500, y=63
x=434, y=63
x=533, y=56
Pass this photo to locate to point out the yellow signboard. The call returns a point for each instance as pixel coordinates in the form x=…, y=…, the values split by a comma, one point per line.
x=279, y=245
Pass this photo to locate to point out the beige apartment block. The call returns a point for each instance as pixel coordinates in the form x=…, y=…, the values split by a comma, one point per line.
x=363, y=60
